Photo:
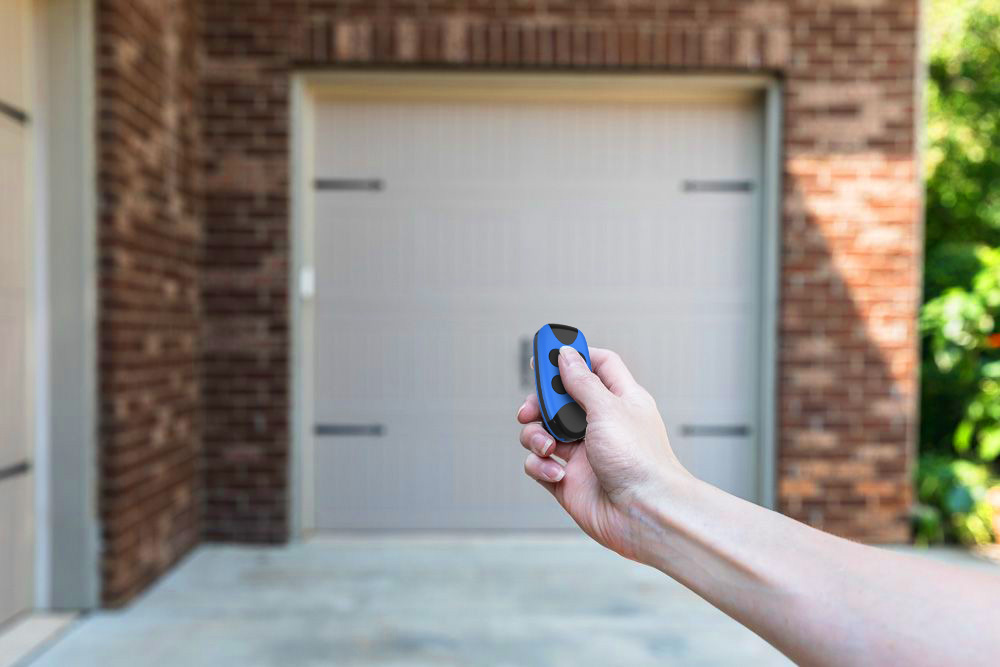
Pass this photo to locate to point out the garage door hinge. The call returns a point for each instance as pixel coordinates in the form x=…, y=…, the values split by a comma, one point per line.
x=361, y=184
x=349, y=429
x=717, y=186
x=14, y=470
x=715, y=430
x=13, y=113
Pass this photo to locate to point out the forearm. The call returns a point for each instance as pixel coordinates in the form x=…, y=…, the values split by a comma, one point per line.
x=817, y=598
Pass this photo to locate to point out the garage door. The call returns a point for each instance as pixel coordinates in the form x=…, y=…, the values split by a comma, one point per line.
x=15, y=433
x=446, y=232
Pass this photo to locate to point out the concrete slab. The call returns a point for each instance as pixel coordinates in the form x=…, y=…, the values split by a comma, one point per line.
x=28, y=635
x=412, y=601
x=416, y=601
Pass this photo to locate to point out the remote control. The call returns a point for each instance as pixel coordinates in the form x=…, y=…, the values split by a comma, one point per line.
x=561, y=415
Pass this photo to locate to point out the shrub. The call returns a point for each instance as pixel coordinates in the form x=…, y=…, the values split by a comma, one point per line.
x=953, y=505
x=960, y=389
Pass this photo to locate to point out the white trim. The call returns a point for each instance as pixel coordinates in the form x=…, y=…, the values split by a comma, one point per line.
x=770, y=297
x=301, y=325
x=40, y=268
x=67, y=557
x=309, y=87
x=629, y=87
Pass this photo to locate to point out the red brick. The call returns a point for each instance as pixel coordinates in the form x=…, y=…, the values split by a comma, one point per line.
x=150, y=229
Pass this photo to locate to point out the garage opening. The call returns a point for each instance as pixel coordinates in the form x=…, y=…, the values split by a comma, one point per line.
x=444, y=224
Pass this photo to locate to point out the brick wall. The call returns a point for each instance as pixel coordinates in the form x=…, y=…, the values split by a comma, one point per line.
x=850, y=237
x=150, y=246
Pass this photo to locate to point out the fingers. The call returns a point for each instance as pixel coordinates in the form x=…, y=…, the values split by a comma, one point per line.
x=536, y=439
x=608, y=367
x=529, y=410
x=543, y=469
x=585, y=387
x=612, y=370
x=565, y=450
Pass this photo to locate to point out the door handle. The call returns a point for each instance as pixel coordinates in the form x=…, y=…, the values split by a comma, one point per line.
x=524, y=364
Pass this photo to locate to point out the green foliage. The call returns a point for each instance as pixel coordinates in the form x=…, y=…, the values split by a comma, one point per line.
x=963, y=123
x=952, y=506
x=962, y=367
x=960, y=402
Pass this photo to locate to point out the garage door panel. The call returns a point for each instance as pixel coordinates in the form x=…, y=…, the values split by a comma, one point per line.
x=14, y=447
x=477, y=476
x=700, y=457
x=591, y=144
x=16, y=540
x=13, y=292
x=497, y=218
x=13, y=194
x=14, y=28
x=415, y=360
x=488, y=249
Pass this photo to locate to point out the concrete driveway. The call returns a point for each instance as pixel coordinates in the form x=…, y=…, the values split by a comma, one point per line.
x=413, y=601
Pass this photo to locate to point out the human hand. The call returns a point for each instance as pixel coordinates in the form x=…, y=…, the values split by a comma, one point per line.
x=624, y=462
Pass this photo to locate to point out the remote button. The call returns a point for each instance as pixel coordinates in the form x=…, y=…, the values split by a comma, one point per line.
x=565, y=335
x=554, y=357
x=558, y=385
x=571, y=421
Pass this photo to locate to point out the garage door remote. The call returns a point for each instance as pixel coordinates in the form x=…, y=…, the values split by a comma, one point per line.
x=561, y=415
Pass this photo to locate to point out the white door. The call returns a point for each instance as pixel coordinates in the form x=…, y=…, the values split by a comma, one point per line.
x=15, y=432
x=446, y=232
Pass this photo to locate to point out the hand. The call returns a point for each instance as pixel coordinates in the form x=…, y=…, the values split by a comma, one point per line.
x=624, y=461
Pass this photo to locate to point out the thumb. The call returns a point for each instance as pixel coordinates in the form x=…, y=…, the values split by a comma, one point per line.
x=585, y=387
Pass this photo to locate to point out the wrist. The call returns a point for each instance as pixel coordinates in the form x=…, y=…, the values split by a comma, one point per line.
x=653, y=513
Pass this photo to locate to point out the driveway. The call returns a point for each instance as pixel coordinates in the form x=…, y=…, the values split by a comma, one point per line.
x=412, y=601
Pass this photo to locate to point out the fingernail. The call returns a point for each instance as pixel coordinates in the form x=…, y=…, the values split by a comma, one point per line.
x=541, y=444
x=570, y=354
x=520, y=409
x=553, y=471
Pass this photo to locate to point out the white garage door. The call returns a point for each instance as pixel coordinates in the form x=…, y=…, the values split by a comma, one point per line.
x=15, y=432
x=446, y=232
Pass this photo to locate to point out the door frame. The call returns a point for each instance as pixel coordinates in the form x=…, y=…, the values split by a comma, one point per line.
x=308, y=88
x=67, y=530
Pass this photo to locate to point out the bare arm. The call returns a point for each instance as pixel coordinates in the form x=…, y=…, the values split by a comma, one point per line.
x=819, y=599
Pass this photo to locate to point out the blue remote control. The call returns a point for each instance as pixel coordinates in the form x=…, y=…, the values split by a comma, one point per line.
x=561, y=415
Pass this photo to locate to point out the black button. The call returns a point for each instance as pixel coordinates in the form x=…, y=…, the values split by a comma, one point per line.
x=570, y=423
x=554, y=357
x=566, y=335
x=558, y=385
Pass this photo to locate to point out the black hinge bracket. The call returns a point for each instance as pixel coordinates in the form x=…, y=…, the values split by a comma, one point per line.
x=350, y=184
x=717, y=186
x=14, y=113
x=715, y=430
x=14, y=470
x=350, y=429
